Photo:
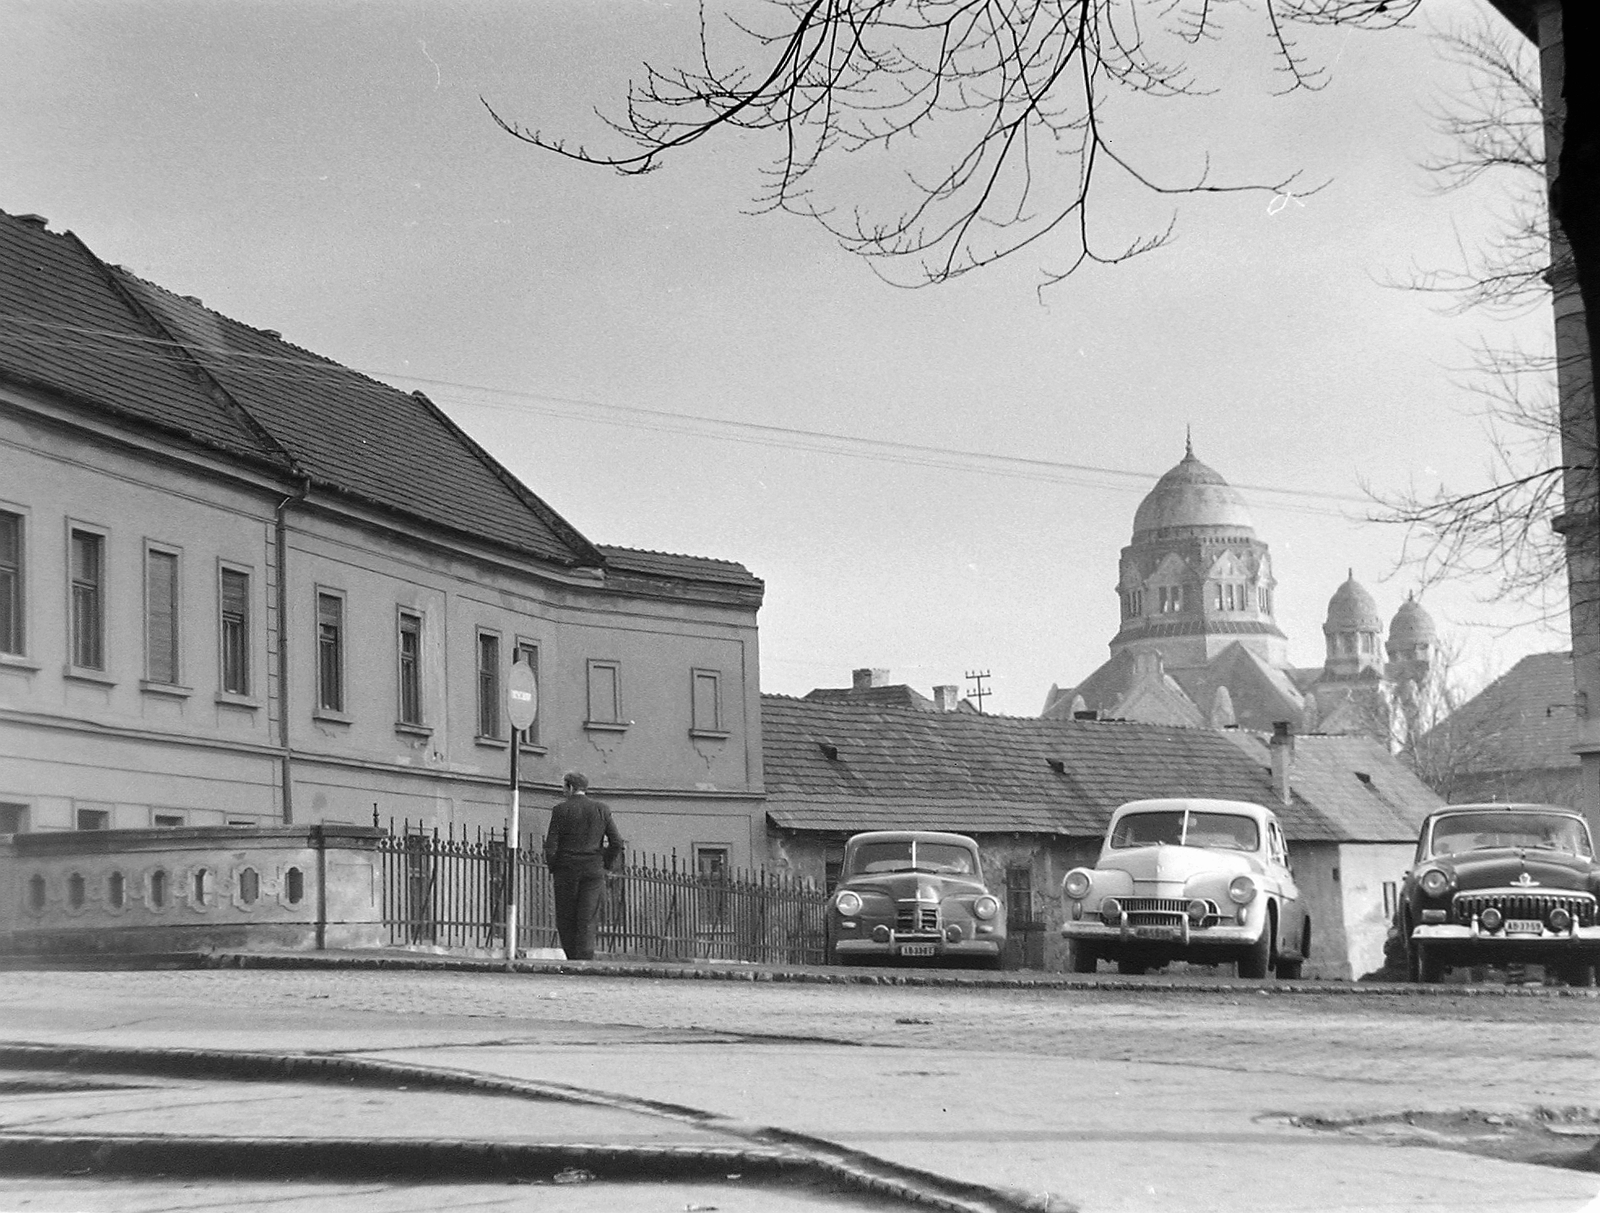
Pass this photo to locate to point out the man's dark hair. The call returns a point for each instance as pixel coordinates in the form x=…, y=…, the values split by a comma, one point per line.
x=576, y=781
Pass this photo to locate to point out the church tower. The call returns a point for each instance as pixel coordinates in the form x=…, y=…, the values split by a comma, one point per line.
x=1354, y=633
x=1195, y=579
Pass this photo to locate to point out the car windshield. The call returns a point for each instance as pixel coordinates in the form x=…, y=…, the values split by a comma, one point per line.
x=913, y=855
x=1175, y=827
x=1484, y=831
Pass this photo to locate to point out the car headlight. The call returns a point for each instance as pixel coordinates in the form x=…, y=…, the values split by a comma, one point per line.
x=1560, y=919
x=1111, y=911
x=1434, y=882
x=848, y=903
x=1077, y=884
x=1241, y=890
x=1491, y=919
x=1198, y=911
x=985, y=907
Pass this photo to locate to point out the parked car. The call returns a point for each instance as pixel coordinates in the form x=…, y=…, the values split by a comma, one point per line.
x=1205, y=881
x=1496, y=884
x=914, y=895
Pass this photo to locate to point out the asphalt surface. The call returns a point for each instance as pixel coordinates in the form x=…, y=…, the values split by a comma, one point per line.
x=1123, y=1095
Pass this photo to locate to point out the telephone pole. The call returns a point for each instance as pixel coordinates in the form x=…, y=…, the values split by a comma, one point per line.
x=979, y=694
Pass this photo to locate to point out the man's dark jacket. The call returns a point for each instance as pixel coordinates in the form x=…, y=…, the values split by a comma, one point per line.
x=582, y=835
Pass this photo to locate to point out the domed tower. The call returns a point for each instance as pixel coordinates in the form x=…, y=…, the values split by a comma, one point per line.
x=1354, y=633
x=1413, y=640
x=1195, y=578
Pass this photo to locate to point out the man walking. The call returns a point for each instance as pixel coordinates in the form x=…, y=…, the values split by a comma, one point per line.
x=581, y=845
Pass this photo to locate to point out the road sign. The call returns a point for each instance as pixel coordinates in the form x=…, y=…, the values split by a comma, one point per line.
x=522, y=695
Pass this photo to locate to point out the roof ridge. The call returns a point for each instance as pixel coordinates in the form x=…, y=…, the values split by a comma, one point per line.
x=214, y=388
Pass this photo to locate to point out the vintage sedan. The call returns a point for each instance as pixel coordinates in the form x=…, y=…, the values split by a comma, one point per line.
x=1496, y=884
x=1205, y=881
x=914, y=895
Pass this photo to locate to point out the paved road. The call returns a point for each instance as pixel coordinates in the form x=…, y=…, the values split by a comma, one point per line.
x=1114, y=1101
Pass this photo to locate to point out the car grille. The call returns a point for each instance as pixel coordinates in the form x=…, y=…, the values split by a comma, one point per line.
x=1163, y=911
x=1524, y=905
x=916, y=918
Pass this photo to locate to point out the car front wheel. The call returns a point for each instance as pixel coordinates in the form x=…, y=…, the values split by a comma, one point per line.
x=1578, y=973
x=1081, y=958
x=1426, y=964
x=1254, y=962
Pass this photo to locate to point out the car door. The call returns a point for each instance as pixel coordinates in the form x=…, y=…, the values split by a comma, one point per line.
x=1292, y=914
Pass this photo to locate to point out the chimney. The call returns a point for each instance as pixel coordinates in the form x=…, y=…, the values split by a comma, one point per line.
x=946, y=698
x=1281, y=748
x=865, y=679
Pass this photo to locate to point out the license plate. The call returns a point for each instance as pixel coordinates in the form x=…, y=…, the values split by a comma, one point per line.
x=1524, y=926
x=917, y=949
x=1155, y=932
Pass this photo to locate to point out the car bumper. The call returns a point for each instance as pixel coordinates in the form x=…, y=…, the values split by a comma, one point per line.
x=1452, y=937
x=913, y=949
x=1174, y=940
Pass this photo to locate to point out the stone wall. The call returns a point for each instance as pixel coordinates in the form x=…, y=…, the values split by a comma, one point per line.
x=191, y=889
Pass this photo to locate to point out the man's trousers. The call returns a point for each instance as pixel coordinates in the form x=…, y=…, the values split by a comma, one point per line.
x=578, y=889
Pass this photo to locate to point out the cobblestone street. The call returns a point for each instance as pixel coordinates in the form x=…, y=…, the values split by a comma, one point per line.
x=1154, y=1096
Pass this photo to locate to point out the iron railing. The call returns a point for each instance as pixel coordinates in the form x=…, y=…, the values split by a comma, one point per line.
x=451, y=890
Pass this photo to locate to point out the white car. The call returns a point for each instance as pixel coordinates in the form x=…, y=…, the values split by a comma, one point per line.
x=1206, y=881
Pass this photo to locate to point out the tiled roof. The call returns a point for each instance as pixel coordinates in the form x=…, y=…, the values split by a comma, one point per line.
x=904, y=768
x=1523, y=720
x=104, y=337
x=670, y=564
x=1354, y=782
x=898, y=695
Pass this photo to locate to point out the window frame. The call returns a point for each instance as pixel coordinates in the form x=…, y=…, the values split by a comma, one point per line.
x=697, y=726
x=528, y=738
x=78, y=815
x=23, y=811
x=618, y=721
x=323, y=708
x=151, y=680
x=226, y=569
x=101, y=595
x=14, y=584
x=488, y=696
x=410, y=691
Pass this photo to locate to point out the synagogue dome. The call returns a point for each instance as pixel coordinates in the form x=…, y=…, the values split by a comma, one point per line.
x=1412, y=627
x=1351, y=609
x=1191, y=495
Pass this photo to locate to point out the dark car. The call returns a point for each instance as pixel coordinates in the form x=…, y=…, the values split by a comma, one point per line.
x=1496, y=884
x=914, y=895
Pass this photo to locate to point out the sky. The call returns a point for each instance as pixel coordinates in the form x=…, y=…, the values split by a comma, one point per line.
x=931, y=481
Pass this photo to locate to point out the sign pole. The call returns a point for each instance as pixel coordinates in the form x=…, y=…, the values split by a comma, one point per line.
x=522, y=704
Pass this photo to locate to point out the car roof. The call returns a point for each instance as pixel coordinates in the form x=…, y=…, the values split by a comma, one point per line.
x=1449, y=810
x=1199, y=804
x=908, y=835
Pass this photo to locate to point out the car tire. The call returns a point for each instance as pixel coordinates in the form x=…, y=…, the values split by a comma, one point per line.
x=1081, y=958
x=1578, y=973
x=1429, y=966
x=1255, y=962
x=1132, y=968
x=1289, y=970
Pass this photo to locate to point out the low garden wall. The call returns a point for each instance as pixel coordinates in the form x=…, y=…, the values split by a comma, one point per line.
x=189, y=889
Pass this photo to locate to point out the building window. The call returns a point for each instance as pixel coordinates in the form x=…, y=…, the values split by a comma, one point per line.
x=88, y=587
x=249, y=882
x=166, y=821
x=13, y=819
x=410, y=650
x=235, y=632
x=711, y=866
x=488, y=684
x=528, y=654
x=11, y=637
x=161, y=616
x=294, y=886
x=605, y=692
x=330, y=652
x=94, y=819
x=707, y=701
x=158, y=889
x=1266, y=600
x=1019, y=896
x=1169, y=599
x=1391, y=899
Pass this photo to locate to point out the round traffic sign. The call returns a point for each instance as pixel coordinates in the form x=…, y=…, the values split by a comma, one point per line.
x=522, y=695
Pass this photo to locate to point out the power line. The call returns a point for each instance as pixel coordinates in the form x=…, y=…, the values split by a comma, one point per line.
x=262, y=366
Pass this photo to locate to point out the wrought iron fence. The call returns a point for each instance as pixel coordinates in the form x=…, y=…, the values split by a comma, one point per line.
x=451, y=891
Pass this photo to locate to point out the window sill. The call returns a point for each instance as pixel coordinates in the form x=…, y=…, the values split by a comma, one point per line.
x=533, y=747
x=332, y=717
x=413, y=730
x=495, y=743
x=232, y=700
x=607, y=726
x=711, y=734
x=74, y=673
x=165, y=690
x=16, y=661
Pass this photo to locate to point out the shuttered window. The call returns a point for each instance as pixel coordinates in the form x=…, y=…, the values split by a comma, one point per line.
x=410, y=656
x=605, y=692
x=88, y=620
x=330, y=652
x=488, y=685
x=161, y=616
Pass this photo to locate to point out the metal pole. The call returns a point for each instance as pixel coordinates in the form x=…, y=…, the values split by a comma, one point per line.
x=511, y=856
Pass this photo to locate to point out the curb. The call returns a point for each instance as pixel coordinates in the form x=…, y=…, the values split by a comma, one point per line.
x=769, y=1153
x=689, y=971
